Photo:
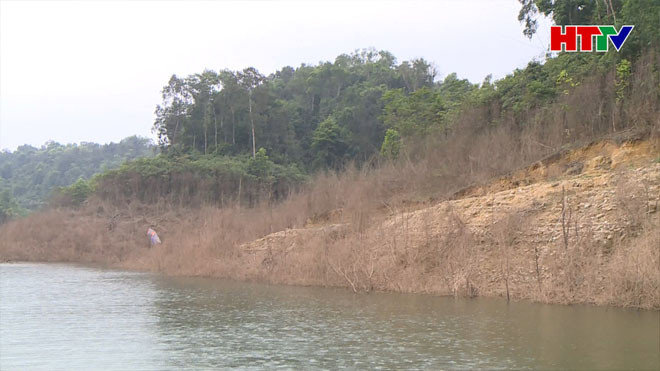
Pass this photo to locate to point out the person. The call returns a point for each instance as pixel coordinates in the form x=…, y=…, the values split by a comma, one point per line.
x=153, y=237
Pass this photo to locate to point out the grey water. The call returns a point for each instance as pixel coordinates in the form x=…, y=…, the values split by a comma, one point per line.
x=71, y=317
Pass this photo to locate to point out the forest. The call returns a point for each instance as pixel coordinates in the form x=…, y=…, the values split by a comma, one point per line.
x=319, y=116
x=28, y=175
x=241, y=135
x=245, y=135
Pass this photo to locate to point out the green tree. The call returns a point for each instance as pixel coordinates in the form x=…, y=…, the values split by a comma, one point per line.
x=172, y=115
x=9, y=208
x=232, y=98
x=329, y=144
x=78, y=192
x=391, y=144
x=259, y=165
x=414, y=114
x=623, y=72
x=645, y=15
x=251, y=79
x=565, y=12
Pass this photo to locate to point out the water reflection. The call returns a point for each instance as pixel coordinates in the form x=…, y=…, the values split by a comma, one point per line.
x=57, y=316
x=238, y=324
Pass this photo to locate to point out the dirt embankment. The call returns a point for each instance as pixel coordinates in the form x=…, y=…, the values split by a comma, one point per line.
x=579, y=227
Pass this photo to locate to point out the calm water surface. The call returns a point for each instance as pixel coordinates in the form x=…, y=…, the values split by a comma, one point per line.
x=70, y=317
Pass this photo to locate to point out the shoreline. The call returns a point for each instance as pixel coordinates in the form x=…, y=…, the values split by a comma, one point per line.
x=545, y=234
x=342, y=288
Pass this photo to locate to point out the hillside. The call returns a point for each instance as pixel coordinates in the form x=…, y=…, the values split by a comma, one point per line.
x=582, y=227
x=578, y=227
x=372, y=174
x=29, y=174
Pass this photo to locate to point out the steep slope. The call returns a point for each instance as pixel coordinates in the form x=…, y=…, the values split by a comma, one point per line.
x=584, y=228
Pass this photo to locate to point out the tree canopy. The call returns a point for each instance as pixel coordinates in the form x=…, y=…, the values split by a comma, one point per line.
x=237, y=133
x=29, y=174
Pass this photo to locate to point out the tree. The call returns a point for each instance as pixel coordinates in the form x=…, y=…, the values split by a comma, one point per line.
x=414, y=114
x=391, y=144
x=259, y=165
x=231, y=94
x=205, y=87
x=78, y=191
x=645, y=15
x=329, y=144
x=172, y=113
x=9, y=208
x=417, y=74
x=565, y=12
x=250, y=79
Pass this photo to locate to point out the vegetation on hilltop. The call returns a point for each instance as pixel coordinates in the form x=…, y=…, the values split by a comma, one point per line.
x=28, y=175
x=194, y=179
x=240, y=135
x=367, y=106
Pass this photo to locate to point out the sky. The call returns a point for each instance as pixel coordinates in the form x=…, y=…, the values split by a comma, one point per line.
x=92, y=71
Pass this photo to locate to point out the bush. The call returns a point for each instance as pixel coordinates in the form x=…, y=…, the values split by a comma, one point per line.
x=199, y=179
x=78, y=192
x=9, y=208
x=391, y=144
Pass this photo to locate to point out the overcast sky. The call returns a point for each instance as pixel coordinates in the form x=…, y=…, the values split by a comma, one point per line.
x=92, y=71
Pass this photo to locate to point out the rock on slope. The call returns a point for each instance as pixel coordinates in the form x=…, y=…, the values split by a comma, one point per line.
x=578, y=227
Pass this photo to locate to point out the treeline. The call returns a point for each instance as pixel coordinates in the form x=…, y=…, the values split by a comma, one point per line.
x=315, y=116
x=319, y=116
x=191, y=180
x=28, y=175
x=366, y=105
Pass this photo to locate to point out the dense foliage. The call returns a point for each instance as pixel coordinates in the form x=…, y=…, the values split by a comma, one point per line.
x=643, y=14
x=29, y=175
x=191, y=180
x=314, y=116
x=320, y=116
x=9, y=208
x=241, y=135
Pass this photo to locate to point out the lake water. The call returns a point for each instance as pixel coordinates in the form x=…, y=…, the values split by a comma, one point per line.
x=70, y=317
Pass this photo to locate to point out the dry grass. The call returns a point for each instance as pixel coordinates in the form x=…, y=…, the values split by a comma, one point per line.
x=346, y=233
x=384, y=226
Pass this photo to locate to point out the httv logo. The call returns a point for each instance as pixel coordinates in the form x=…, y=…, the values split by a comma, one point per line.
x=568, y=38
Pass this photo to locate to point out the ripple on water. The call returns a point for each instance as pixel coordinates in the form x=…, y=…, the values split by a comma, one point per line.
x=70, y=317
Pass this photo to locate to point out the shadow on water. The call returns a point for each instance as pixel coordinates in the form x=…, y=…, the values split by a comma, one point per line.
x=69, y=317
